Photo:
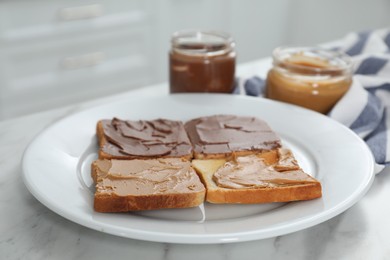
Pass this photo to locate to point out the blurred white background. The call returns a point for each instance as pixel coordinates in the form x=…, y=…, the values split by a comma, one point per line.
x=54, y=53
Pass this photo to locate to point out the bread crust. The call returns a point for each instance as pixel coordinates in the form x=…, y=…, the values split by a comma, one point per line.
x=102, y=140
x=114, y=203
x=306, y=191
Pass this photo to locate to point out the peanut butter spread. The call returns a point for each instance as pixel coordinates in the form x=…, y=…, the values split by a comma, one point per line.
x=310, y=79
x=155, y=138
x=253, y=172
x=144, y=177
x=229, y=133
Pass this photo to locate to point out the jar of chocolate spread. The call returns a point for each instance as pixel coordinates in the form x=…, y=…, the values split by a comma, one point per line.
x=313, y=78
x=202, y=61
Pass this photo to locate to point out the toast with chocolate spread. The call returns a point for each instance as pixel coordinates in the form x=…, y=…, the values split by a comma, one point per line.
x=218, y=136
x=142, y=139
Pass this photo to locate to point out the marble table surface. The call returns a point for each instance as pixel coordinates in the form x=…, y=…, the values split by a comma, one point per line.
x=29, y=230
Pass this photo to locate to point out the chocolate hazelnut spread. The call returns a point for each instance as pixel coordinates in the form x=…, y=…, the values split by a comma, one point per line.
x=228, y=133
x=145, y=177
x=160, y=137
x=202, y=62
x=311, y=78
x=253, y=172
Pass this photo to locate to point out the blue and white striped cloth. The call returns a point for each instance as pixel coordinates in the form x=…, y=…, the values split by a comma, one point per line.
x=366, y=106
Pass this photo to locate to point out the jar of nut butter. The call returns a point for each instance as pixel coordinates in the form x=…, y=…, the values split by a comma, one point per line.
x=313, y=78
x=202, y=61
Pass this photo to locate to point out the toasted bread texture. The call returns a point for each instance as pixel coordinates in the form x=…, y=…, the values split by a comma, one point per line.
x=132, y=185
x=275, y=181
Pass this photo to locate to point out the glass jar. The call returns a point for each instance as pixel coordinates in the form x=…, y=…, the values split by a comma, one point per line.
x=313, y=78
x=202, y=61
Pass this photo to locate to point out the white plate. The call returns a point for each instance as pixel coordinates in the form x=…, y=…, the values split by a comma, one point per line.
x=56, y=170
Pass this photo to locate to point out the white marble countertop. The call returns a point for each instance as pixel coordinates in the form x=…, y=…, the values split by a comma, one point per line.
x=29, y=230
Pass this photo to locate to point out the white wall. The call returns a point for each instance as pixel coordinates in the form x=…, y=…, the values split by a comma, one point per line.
x=317, y=21
x=132, y=40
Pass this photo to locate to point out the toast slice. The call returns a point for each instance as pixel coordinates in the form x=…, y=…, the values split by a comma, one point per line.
x=143, y=139
x=218, y=136
x=132, y=185
x=260, y=178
